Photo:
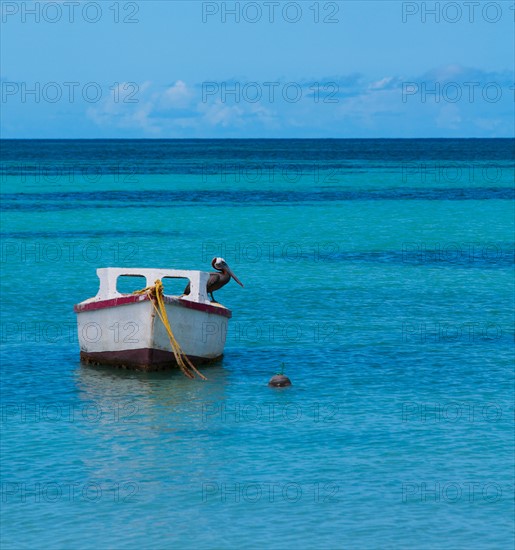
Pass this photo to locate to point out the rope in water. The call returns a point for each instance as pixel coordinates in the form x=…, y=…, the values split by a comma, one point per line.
x=155, y=293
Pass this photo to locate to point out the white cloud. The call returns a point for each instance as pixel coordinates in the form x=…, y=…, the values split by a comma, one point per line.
x=125, y=107
x=221, y=114
x=490, y=124
x=380, y=84
x=361, y=108
x=176, y=96
x=449, y=117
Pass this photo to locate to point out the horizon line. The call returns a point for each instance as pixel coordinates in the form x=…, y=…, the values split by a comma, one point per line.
x=249, y=138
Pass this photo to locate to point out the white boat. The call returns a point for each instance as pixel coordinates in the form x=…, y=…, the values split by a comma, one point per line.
x=127, y=330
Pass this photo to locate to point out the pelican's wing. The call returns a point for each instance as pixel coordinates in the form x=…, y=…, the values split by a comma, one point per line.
x=214, y=278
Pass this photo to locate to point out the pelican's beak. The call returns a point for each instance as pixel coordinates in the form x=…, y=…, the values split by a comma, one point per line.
x=233, y=275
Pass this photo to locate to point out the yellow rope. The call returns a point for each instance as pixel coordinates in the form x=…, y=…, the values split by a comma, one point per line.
x=155, y=293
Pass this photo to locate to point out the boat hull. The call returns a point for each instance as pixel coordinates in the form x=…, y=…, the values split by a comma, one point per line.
x=129, y=334
x=144, y=359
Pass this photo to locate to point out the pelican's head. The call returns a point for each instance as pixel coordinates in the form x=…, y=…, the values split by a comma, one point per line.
x=221, y=265
x=218, y=263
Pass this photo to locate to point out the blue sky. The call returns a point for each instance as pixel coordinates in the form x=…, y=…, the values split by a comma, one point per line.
x=173, y=69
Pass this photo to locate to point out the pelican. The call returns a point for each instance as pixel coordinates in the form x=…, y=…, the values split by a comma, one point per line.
x=219, y=279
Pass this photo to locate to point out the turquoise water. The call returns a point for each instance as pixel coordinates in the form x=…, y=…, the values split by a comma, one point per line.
x=380, y=272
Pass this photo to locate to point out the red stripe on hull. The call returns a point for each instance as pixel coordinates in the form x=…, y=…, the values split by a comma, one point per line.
x=123, y=300
x=144, y=359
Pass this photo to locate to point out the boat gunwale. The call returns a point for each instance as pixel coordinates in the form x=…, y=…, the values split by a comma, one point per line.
x=135, y=298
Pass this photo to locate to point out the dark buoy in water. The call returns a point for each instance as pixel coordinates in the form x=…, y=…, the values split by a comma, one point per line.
x=280, y=380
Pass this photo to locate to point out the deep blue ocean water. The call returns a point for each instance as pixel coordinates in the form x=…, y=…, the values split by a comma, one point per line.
x=378, y=272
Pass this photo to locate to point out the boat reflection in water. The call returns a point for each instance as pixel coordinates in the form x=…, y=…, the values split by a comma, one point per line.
x=136, y=429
